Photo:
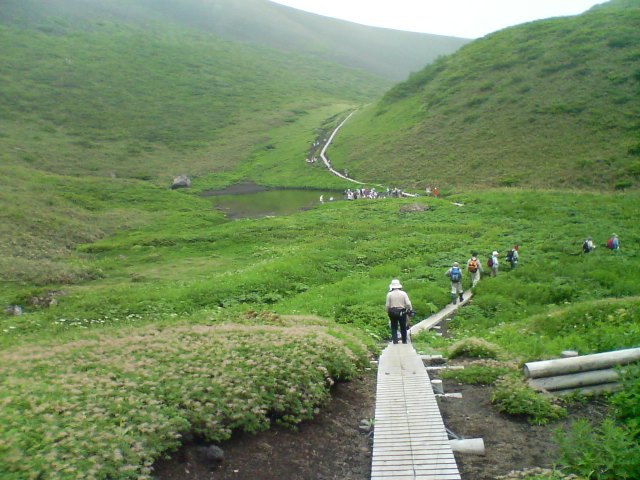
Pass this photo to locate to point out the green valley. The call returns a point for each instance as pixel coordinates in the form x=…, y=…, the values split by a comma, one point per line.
x=148, y=316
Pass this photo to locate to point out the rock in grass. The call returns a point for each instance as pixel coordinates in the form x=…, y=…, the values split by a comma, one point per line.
x=211, y=455
x=13, y=310
x=181, y=181
x=414, y=207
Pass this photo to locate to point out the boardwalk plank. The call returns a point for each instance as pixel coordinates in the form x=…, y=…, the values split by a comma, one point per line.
x=410, y=441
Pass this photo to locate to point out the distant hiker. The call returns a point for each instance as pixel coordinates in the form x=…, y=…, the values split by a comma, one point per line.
x=321, y=198
x=588, y=246
x=614, y=243
x=493, y=263
x=474, y=267
x=398, y=306
x=455, y=275
x=436, y=192
x=427, y=191
x=513, y=256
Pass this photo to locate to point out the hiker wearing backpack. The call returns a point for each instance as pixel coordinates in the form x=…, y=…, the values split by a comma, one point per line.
x=474, y=267
x=588, y=246
x=455, y=275
x=398, y=306
x=493, y=263
x=613, y=243
x=513, y=256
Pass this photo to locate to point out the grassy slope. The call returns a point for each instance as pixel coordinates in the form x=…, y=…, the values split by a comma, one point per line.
x=165, y=285
x=150, y=105
x=334, y=261
x=106, y=108
x=387, y=53
x=550, y=103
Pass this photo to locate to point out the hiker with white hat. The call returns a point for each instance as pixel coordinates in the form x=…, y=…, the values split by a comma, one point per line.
x=398, y=305
x=494, y=263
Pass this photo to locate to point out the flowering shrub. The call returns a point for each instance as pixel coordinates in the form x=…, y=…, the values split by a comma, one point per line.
x=109, y=406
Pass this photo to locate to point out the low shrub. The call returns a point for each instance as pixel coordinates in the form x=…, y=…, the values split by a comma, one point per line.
x=513, y=396
x=627, y=400
x=477, y=374
x=604, y=452
x=108, y=406
x=474, y=348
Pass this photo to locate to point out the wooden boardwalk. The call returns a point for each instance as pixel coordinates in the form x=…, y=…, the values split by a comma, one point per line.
x=436, y=318
x=410, y=440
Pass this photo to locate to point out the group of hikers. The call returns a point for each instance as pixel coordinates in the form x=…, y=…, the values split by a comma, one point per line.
x=613, y=244
x=399, y=306
x=359, y=193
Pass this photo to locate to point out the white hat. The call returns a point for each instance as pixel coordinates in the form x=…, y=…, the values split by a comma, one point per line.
x=456, y=264
x=494, y=253
x=395, y=283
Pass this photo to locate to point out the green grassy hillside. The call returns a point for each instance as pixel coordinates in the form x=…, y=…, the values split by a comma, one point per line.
x=553, y=103
x=388, y=53
x=122, y=101
x=159, y=316
x=144, y=309
x=98, y=113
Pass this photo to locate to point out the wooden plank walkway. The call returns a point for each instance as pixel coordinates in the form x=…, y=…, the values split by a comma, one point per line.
x=436, y=318
x=410, y=440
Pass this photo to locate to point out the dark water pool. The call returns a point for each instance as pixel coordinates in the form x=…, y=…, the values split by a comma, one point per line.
x=250, y=201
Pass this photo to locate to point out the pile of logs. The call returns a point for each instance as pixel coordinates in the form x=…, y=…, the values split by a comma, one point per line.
x=587, y=374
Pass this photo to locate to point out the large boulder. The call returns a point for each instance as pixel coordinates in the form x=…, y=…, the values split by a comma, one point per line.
x=181, y=181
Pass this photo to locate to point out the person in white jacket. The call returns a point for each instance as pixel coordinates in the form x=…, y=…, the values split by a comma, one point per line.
x=495, y=264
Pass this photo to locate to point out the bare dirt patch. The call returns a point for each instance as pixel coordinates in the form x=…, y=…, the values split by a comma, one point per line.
x=331, y=447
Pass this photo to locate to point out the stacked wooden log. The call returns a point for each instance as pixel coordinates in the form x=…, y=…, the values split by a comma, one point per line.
x=587, y=373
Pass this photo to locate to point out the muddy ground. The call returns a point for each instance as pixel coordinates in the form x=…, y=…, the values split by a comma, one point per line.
x=331, y=447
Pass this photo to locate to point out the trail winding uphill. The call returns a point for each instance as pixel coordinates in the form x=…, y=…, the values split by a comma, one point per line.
x=327, y=163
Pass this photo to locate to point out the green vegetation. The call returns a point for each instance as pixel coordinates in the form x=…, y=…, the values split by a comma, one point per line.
x=512, y=395
x=119, y=102
x=108, y=405
x=548, y=104
x=607, y=450
x=479, y=373
x=604, y=452
x=148, y=315
x=473, y=348
x=385, y=53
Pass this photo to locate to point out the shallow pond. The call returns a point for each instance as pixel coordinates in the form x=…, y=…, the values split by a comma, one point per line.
x=250, y=201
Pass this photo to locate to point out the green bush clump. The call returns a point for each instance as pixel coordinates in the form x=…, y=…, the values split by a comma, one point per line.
x=477, y=374
x=610, y=450
x=605, y=452
x=475, y=348
x=627, y=400
x=368, y=318
x=513, y=396
x=109, y=405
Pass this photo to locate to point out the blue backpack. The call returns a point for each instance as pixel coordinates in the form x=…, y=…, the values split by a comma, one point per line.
x=456, y=274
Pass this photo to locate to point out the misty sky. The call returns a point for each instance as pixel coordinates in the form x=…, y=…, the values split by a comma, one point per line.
x=459, y=18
